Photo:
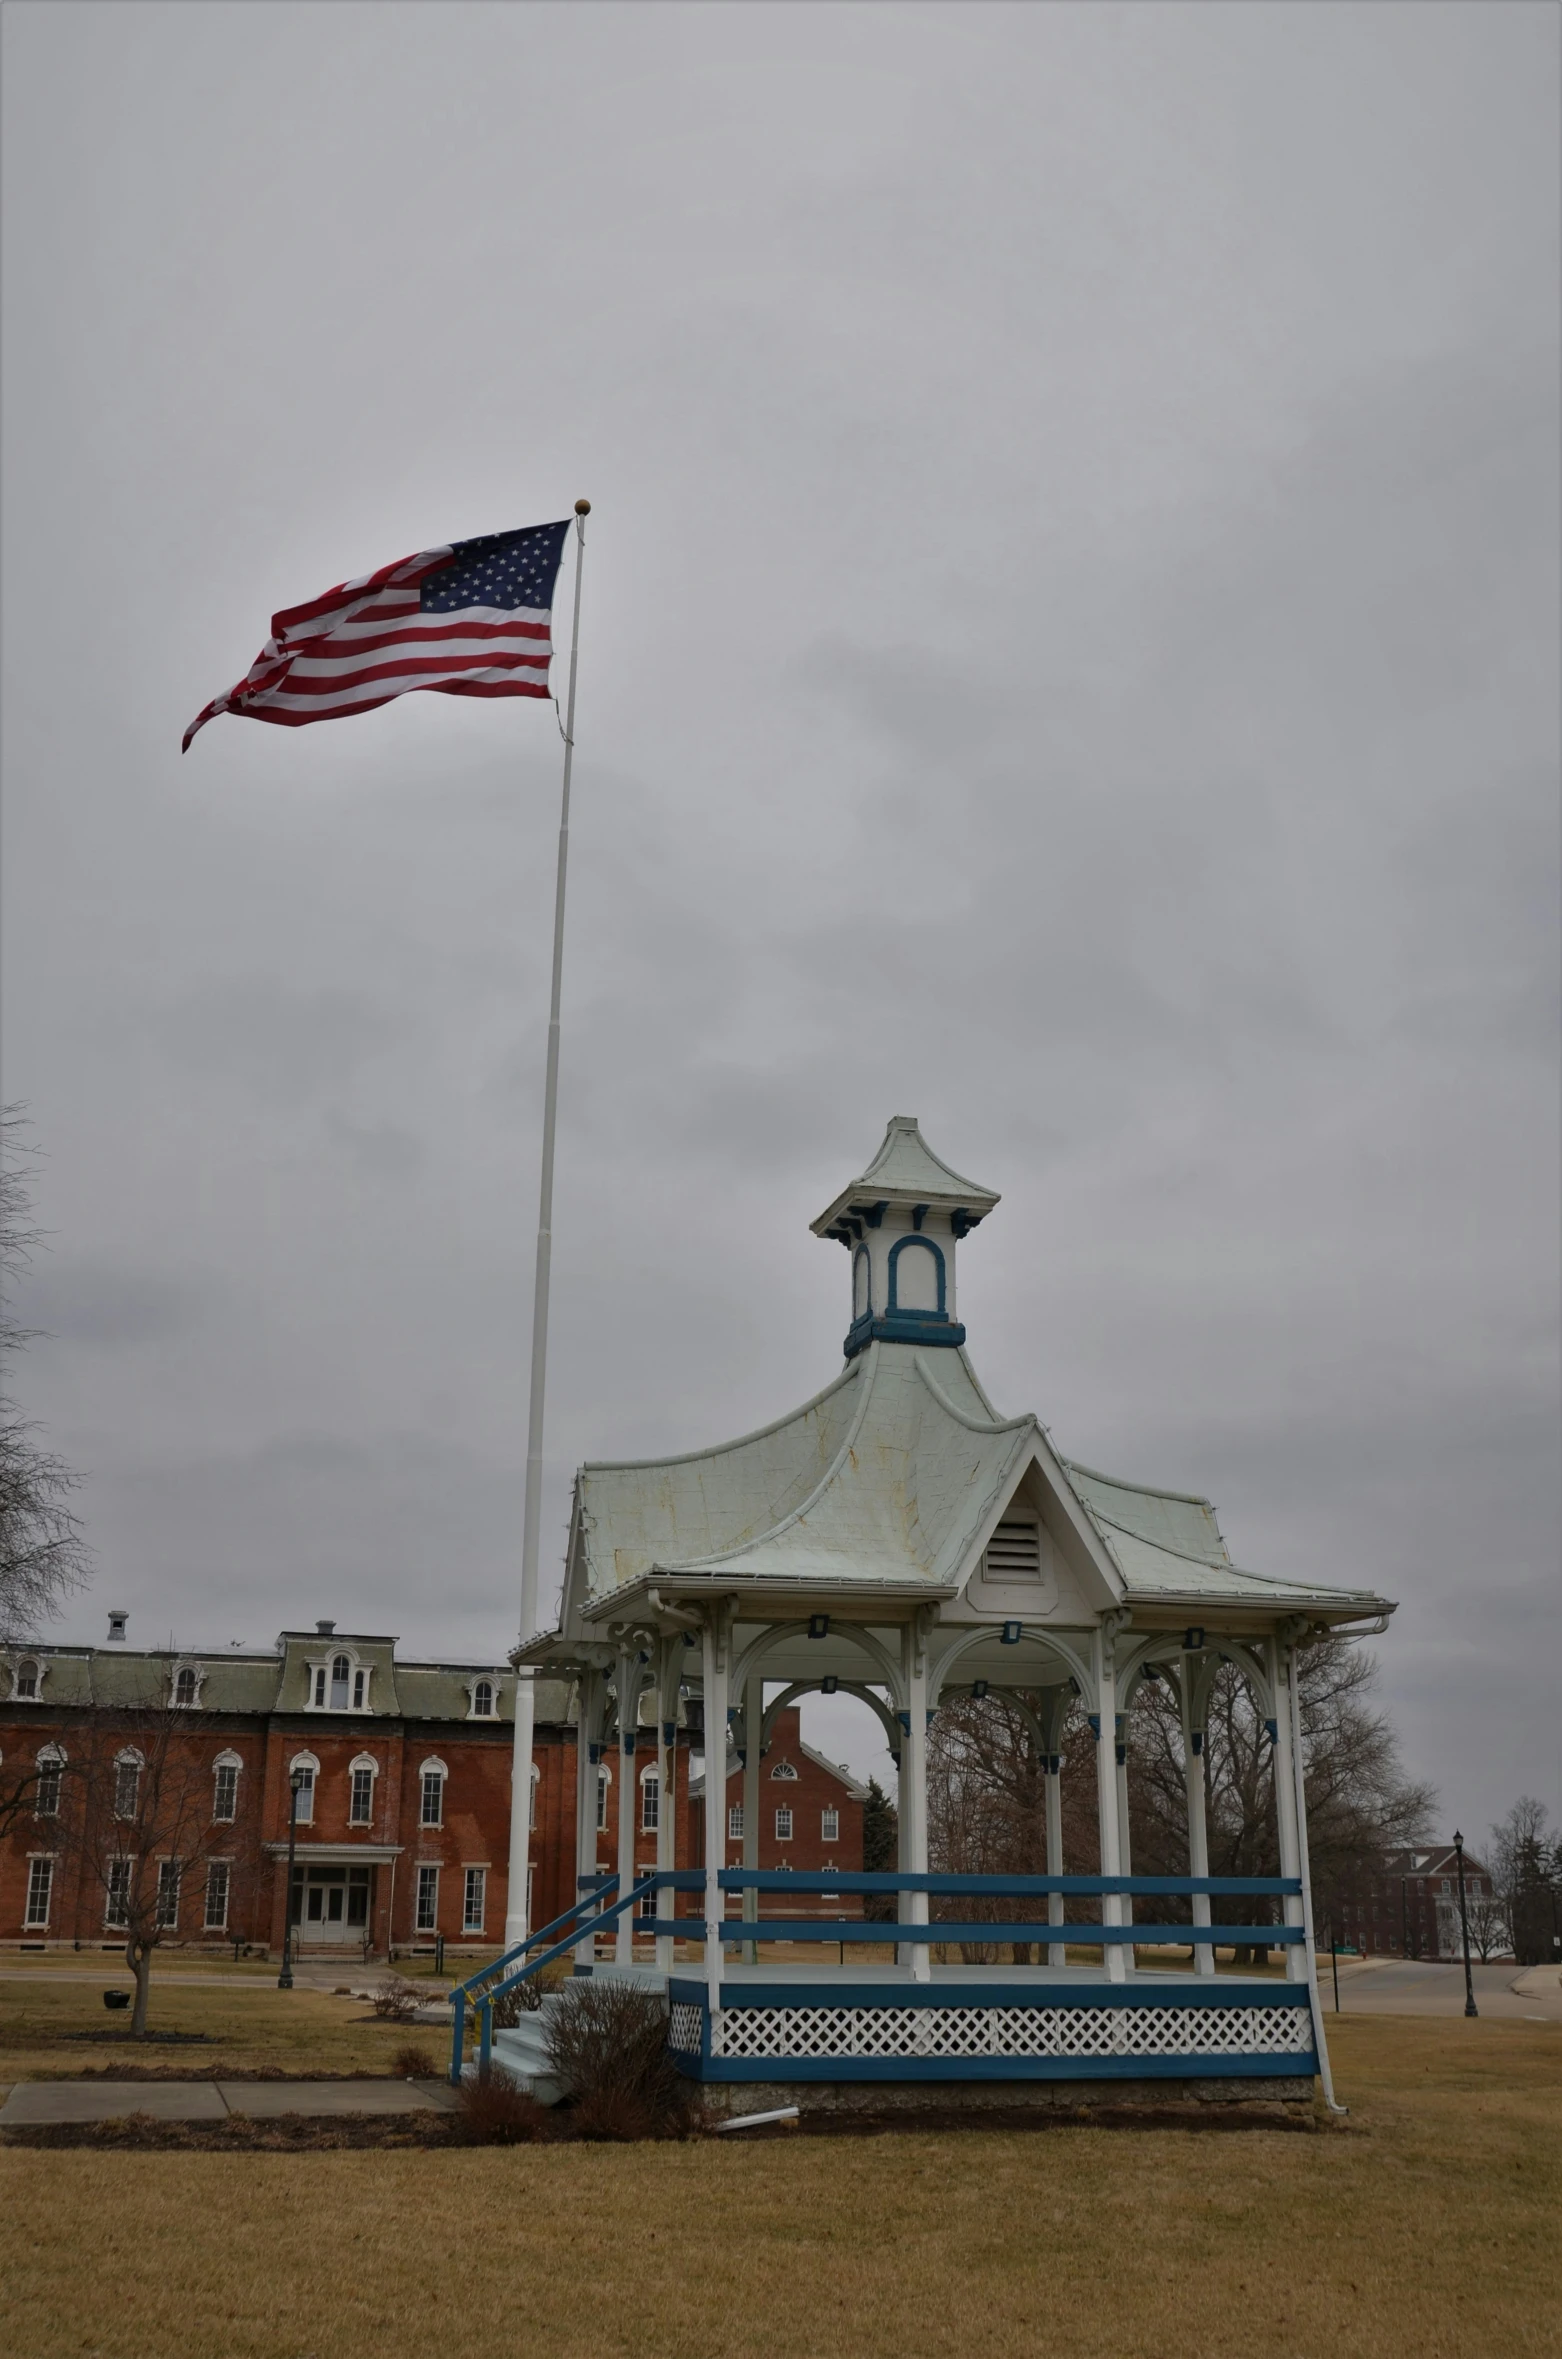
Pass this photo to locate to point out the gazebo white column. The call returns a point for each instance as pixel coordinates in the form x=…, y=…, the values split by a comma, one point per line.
x=1191, y=1695
x=1106, y=1788
x=588, y=1707
x=1281, y=1666
x=716, y=1659
x=913, y=1786
x=628, y=1796
x=667, y=1789
x=753, y=1728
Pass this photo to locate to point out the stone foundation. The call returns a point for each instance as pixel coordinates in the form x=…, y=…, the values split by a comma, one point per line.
x=1287, y=2098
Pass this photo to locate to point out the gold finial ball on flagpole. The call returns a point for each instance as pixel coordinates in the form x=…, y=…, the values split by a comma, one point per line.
x=583, y=507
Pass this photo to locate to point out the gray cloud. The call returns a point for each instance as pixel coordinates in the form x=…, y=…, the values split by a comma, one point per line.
x=1070, y=637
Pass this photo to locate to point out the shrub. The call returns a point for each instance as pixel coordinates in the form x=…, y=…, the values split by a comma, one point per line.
x=495, y=2110
x=396, y=1999
x=525, y=1999
x=607, y=2048
x=415, y=2064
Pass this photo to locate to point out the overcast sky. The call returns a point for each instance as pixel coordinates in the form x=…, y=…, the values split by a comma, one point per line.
x=1069, y=653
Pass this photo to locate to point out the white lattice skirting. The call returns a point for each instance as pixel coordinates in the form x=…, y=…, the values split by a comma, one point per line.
x=996, y=2031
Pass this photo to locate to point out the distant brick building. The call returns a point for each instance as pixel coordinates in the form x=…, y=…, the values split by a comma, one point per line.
x=403, y=1824
x=1407, y=1906
x=810, y=1818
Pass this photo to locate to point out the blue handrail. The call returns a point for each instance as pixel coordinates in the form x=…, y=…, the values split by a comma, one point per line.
x=605, y=1914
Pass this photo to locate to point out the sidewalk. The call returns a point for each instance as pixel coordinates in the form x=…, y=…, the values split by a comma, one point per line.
x=31, y=2102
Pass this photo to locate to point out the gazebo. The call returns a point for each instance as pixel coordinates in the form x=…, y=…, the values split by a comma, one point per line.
x=898, y=1539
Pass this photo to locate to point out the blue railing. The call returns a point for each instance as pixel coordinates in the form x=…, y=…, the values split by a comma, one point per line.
x=597, y=1907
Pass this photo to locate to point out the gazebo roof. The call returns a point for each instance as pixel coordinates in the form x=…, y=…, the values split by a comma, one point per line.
x=906, y=1171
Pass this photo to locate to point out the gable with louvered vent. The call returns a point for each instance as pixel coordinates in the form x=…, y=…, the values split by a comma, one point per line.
x=1014, y=1553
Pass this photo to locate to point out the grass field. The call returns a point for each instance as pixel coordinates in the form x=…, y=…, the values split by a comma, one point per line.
x=251, y=2026
x=1427, y=2226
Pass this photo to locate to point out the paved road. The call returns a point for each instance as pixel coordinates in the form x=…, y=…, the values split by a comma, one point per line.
x=1418, y=1986
x=55, y=2101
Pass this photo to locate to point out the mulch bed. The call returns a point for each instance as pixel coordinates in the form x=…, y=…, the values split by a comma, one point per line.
x=293, y=2133
x=145, y=2039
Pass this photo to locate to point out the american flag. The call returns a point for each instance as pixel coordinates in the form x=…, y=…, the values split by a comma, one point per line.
x=471, y=619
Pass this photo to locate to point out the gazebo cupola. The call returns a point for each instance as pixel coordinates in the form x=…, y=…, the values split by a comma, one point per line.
x=901, y=1223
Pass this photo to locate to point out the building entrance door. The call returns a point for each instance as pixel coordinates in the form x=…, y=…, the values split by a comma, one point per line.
x=332, y=1905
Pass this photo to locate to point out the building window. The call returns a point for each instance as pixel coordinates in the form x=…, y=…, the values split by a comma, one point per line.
x=51, y=1768
x=360, y=1689
x=225, y=1793
x=650, y=1800
x=735, y=1823
x=604, y=1780
x=433, y=1811
x=428, y=1899
x=320, y=1689
x=168, y=1878
x=305, y=1772
x=216, y=1895
x=361, y=1809
x=127, y=1785
x=26, y=1687
x=483, y=1700
x=531, y=1815
x=784, y=1824
x=185, y=1686
x=783, y=1769
x=40, y=1884
x=476, y=1895
x=829, y=1826
x=341, y=1672
x=116, y=1909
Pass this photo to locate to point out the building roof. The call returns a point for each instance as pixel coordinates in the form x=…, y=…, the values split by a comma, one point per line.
x=235, y=1681
x=906, y=1171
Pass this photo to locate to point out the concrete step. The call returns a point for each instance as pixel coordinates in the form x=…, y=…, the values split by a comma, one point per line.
x=522, y=2052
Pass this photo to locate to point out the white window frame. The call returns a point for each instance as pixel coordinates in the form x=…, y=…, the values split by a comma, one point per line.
x=358, y=1684
x=474, y=1885
x=604, y=1785
x=425, y=1916
x=474, y=1710
x=829, y=1823
x=129, y=1758
x=784, y=1833
x=223, y=1869
x=170, y=1882
x=227, y=1764
x=19, y=1669
x=428, y=1772
x=361, y=1765
x=784, y=1769
x=306, y=1799
x=651, y=1798
x=195, y=1673
x=734, y=1822
x=51, y=1766
x=531, y=1814
x=120, y=1881
x=40, y=1869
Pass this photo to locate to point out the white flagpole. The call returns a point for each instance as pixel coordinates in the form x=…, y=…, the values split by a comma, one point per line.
x=517, y=1912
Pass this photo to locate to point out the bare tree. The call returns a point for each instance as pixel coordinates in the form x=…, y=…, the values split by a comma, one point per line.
x=1489, y=1933
x=1526, y=1869
x=43, y=1555
x=144, y=1828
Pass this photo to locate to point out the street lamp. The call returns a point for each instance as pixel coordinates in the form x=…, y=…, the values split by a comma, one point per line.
x=1470, y=2006
x=285, y=1978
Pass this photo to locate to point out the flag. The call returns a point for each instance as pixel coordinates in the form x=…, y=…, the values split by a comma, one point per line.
x=471, y=619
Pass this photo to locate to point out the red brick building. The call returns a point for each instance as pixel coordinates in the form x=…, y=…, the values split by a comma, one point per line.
x=810, y=1817
x=1407, y=1906
x=404, y=1813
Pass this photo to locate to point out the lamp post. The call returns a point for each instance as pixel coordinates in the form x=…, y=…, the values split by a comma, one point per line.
x=1470, y=2006
x=285, y=1978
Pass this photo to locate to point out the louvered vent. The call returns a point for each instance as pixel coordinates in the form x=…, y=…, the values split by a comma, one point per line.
x=1014, y=1553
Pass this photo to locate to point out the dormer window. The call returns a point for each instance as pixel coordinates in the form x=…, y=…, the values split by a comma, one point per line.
x=360, y=1689
x=24, y=1685
x=186, y=1688
x=341, y=1673
x=483, y=1700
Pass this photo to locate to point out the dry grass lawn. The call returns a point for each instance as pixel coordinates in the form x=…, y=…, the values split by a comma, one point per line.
x=251, y=2025
x=1428, y=2227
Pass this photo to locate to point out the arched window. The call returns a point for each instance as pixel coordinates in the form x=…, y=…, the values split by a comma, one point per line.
x=51, y=1770
x=483, y=1700
x=341, y=1673
x=916, y=1278
x=127, y=1782
x=225, y=1786
x=360, y=1690
x=361, y=1773
x=25, y=1684
x=431, y=1780
x=650, y=1800
x=306, y=1768
x=186, y=1687
x=862, y=1283
x=783, y=1769
x=604, y=1780
x=536, y=1788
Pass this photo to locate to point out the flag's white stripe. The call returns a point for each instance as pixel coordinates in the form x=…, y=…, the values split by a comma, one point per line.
x=373, y=616
x=327, y=667
x=395, y=684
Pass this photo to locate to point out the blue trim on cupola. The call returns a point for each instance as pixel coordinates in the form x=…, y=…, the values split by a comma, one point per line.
x=920, y=1327
x=917, y=1245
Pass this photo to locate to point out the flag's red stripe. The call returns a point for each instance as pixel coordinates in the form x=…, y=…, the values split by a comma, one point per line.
x=282, y=718
x=348, y=593
x=340, y=682
x=405, y=634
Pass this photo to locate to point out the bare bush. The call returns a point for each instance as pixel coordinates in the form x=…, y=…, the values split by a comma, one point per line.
x=395, y=2000
x=494, y=2110
x=525, y=1999
x=607, y=2048
x=414, y=2064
